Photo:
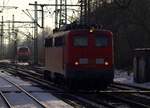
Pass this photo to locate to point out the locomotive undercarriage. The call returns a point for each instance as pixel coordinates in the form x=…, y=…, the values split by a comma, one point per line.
x=82, y=79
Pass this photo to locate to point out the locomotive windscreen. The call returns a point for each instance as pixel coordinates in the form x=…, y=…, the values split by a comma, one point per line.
x=101, y=41
x=80, y=41
x=23, y=49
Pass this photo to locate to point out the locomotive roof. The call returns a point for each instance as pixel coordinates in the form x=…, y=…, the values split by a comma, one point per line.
x=62, y=33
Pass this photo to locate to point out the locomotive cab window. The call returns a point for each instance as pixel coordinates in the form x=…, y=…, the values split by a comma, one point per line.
x=80, y=41
x=48, y=42
x=59, y=41
x=23, y=49
x=101, y=41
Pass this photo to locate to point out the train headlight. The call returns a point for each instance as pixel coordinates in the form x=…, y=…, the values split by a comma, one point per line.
x=91, y=30
x=76, y=63
x=106, y=63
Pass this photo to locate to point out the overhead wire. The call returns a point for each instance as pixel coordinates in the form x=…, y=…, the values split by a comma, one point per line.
x=7, y=2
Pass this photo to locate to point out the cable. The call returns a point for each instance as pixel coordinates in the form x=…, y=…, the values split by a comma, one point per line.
x=7, y=2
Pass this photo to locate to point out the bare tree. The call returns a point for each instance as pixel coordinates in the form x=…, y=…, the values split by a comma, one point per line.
x=129, y=21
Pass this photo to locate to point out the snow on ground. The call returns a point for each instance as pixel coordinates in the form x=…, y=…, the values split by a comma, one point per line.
x=126, y=77
x=20, y=100
x=9, y=61
x=23, y=63
x=51, y=101
x=123, y=76
x=6, y=61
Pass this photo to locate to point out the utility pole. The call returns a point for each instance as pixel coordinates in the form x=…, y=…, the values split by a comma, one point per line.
x=5, y=7
x=12, y=28
x=9, y=45
x=60, y=14
x=15, y=43
x=89, y=9
x=42, y=11
x=35, y=34
x=2, y=30
x=13, y=33
x=62, y=7
x=43, y=37
x=63, y=13
x=56, y=14
x=83, y=12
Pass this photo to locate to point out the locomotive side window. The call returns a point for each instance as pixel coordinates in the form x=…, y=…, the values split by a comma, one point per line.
x=59, y=41
x=48, y=42
x=80, y=41
x=101, y=41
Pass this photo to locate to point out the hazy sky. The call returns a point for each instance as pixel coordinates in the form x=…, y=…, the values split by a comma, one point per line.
x=21, y=16
x=24, y=4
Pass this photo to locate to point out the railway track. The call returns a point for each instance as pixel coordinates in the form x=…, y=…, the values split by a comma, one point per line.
x=72, y=99
x=22, y=90
x=75, y=101
x=131, y=94
x=82, y=99
x=115, y=97
x=5, y=101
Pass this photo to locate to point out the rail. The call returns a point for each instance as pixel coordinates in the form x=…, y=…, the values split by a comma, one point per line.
x=122, y=91
x=23, y=90
x=5, y=99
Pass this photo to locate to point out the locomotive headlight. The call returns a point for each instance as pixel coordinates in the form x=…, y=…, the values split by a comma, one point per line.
x=106, y=63
x=91, y=30
x=76, y=63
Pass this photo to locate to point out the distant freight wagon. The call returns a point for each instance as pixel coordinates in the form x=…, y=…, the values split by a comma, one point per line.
x=80, y=58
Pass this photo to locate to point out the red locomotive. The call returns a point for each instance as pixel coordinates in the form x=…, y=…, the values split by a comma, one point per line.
x=23, y=54
x=80, y=57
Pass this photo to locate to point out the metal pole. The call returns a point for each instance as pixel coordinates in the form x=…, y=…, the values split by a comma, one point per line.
x=85, y=11
x=35, y=35
x=2, y=24
x=43, y=37
x=56, y=14
x=15, y=44
x=60, y=15
x=88, y=10
x=9, y=45
x=15, y=40
x=64, y=5
x=42, y=6
x=81, y=12
x=65, y=12
x=13, y=37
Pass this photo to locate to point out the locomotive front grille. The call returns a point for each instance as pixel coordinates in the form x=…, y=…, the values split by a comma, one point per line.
x=87, y=61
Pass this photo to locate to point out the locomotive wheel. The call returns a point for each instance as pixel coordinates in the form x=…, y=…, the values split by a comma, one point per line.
x=71, y=84
x=58, y=79
x=47, y=75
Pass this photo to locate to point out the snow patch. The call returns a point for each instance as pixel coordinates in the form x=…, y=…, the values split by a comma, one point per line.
x=126, y=77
